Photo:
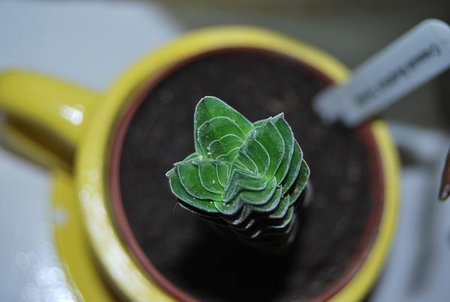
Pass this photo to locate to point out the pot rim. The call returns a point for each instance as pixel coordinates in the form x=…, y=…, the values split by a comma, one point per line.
x=101, y=216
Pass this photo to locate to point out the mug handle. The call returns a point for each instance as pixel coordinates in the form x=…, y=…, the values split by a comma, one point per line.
x=44, y=118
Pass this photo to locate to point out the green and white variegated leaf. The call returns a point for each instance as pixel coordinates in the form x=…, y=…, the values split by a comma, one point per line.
x=244, y=175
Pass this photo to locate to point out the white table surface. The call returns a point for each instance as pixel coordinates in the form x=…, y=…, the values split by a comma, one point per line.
x=91, y=43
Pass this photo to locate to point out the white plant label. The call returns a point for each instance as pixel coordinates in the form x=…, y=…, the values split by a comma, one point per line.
x=413, y=59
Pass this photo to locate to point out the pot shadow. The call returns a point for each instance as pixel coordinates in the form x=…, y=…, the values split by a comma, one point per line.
x=219, y=268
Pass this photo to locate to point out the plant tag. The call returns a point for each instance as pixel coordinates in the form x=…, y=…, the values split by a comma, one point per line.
x=413, y=59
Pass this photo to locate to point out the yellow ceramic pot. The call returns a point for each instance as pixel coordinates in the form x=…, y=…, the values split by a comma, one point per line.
x=71, y=128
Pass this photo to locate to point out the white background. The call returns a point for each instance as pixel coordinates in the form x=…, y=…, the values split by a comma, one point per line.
x=91, y=43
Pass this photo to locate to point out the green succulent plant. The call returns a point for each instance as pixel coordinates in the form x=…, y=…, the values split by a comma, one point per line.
x=244, y=177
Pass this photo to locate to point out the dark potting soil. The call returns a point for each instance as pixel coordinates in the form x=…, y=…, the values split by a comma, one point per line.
x=184, y=249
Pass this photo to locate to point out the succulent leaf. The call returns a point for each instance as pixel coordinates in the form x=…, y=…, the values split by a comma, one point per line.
x=294, y=168
x=223, y=145
x=190, y=180
x=271, y=140
x=241, y=181
x=207, y=172
x=222, y=171
x=211, y=107
x=245, y=177
x=288, y=138
x=214, y=130
x=188, y=199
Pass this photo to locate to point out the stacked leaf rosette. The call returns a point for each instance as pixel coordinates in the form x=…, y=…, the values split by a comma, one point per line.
x=244, y=177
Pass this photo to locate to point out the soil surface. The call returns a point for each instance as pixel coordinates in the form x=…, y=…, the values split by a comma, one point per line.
x=203, y=263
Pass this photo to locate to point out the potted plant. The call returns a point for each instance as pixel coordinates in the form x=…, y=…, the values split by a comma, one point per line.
x=341, y=233
x=152, y=250
x=245, y=178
